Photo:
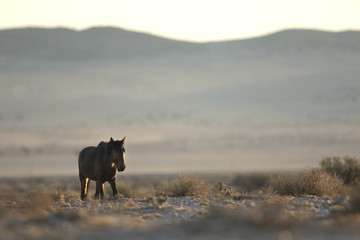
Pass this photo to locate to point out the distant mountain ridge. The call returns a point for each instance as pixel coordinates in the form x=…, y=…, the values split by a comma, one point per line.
x=91, y=44
x=106, y=43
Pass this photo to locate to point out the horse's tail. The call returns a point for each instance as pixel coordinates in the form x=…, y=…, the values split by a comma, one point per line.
x=80, y=159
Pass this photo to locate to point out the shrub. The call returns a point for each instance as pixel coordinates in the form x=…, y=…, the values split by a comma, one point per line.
x=283, y=185
x=347, y=168
x=309, y=182
x=184, y=186
x=318, y=182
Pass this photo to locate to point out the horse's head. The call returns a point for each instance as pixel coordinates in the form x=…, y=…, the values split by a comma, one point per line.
x=117, y=151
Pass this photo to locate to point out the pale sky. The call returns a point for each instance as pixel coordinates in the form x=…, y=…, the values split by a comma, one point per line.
x=192, y=20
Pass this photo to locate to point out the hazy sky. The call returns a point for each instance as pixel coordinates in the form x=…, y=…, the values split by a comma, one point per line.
x=195, y=20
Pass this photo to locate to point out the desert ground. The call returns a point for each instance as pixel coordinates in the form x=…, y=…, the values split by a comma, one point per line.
x=169, y=207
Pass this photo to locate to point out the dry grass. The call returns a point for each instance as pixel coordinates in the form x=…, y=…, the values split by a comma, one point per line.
x=30, y=204
x=310, y=182
x=58, y=213
x=251, y=181
x=263, y=216
x=59, y=195
x=127, y=190
x=184, y=186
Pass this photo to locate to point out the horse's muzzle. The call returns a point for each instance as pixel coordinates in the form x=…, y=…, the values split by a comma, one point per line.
x=121, y=169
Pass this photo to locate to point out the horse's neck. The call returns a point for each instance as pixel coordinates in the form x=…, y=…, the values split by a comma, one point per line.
x=103, y=148
x=107, y=157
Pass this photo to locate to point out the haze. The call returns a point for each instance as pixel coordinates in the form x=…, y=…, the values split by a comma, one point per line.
x=279, y=101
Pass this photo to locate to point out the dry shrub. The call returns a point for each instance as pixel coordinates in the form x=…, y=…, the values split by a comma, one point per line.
x=310, y=182
x=320, y=183
x=184, y=186
x=347, y=168
x=283, y=185
x=223, y=189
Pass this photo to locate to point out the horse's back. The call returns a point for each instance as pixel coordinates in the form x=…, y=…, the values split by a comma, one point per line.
x=90, y=160
x=86, y=153
x=86, y=161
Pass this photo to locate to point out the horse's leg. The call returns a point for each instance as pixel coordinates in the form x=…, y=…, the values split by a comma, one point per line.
x=113, y=186
x=102, y=190
x=83, y=181
x=97, y=193
x=87, y=186
x=99, y=190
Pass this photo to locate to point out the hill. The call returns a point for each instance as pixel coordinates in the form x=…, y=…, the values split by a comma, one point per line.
x=92, y=44
x=99, y=44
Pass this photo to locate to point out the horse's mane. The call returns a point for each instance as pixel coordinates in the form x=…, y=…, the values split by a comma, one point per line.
x=101, y=143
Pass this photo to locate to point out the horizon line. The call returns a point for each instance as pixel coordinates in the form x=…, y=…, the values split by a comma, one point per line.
x=71, y=28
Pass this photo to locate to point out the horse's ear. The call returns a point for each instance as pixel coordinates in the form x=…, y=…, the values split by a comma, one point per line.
x=123, y=140
x=111, y=140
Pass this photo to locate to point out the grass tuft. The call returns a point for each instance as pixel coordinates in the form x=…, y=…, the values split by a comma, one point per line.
x=126, y=190
x=310, y=182
x=184, y=186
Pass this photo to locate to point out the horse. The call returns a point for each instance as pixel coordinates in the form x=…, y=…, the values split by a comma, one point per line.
x=100, y=164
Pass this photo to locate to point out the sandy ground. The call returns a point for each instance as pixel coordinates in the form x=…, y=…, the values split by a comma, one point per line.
x=49, y=208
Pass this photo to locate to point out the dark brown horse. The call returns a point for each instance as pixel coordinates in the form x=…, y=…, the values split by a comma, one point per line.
x=100, y=164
